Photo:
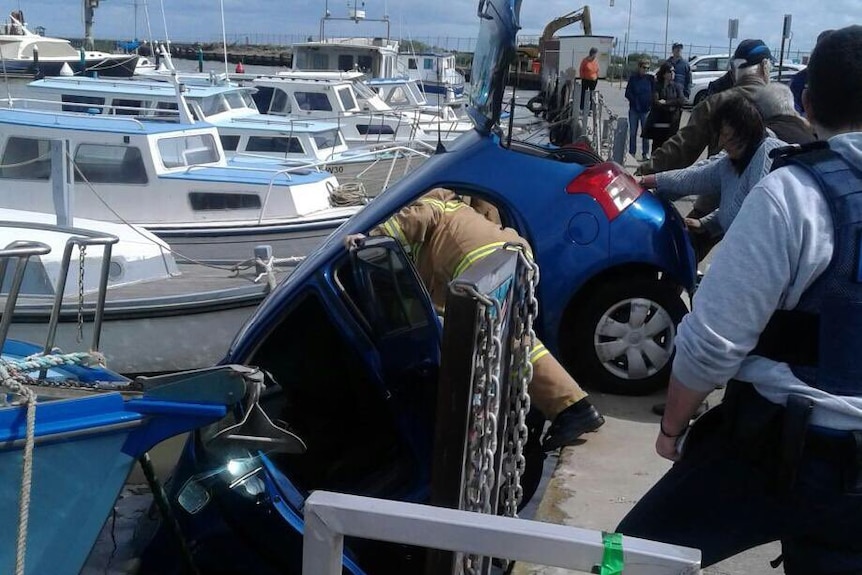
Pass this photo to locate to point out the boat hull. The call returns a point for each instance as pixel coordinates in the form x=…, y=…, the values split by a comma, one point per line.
x=112, y=66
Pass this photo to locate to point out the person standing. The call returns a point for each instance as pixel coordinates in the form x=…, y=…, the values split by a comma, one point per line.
x=639, y=93
x=751, y=65
x=777, y=320
x=666, y=105
x=589, y=75
x=681, y=69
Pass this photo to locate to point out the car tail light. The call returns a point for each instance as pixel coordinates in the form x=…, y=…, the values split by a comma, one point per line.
x=612, y=187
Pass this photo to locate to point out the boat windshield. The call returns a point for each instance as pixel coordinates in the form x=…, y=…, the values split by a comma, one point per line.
x=190, y=150
x=495, y=49
x=328, y=139
x=240, y=100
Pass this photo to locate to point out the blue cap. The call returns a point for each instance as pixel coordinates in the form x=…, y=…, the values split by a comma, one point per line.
x=752, y=51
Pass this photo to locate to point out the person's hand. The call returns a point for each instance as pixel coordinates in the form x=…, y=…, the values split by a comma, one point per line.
x=694, y=225
x=354, y=241
x=666, y=447
x=648, y=181
x=662, y=101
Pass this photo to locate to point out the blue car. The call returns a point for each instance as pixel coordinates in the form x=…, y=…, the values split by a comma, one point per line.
x=614, y=262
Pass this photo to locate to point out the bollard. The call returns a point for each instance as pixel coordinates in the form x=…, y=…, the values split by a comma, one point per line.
x=618, y=151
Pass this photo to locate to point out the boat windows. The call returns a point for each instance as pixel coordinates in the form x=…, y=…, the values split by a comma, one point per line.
x=263, y=98
x=374, y=129
x=365, y=63
x=348, y=102
x=345, y=62
x=182, y=151
x=86, y=104
x=328, y=139
x=429, y=64
x=167, y=110
x=229, y=143
x=280, y=103
x=212, y=105
x=217, y=201
x=279, y=144
x=312, y=101
x=105, y=164
x=318, y=61
x=125, y=107
x=411, y=64
x=26, y=159
x=239, y=101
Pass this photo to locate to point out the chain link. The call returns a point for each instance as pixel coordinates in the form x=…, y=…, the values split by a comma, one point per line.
x=82, y=254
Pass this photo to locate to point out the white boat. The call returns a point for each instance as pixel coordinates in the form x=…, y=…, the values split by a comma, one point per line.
x=434, y=72
x=158, y=316
x=25, y=54
x=380, y=58
x=171, y=178
x=245, y=133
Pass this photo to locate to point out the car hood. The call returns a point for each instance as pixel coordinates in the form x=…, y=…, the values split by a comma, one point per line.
x=495, y=50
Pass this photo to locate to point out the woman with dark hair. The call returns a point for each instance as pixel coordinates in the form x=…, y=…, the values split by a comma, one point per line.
x=667, y=101
x=730, y=174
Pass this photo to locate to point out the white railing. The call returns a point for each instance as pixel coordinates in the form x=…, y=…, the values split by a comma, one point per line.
x=331, y=516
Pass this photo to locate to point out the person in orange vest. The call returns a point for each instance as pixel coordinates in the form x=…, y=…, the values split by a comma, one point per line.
x=589, y=74
x=444, y=236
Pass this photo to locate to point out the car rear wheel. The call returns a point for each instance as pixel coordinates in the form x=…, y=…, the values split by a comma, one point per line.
x=621, y=339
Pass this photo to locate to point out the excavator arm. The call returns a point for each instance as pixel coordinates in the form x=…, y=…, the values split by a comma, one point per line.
x=581, y=15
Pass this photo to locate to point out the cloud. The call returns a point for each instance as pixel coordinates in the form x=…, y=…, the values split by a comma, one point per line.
x=699, y=24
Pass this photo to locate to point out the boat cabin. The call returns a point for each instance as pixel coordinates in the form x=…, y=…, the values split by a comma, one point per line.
x=373, y=56
x=333, y=100
x=230, y=108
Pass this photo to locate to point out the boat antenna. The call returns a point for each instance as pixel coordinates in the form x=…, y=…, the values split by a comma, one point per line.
x=440, y=149
x=149, y=29
x=224, y=39
x=165, y=24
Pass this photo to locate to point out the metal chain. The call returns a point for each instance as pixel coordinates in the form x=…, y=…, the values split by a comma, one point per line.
x=82, y=254
x=485, y=408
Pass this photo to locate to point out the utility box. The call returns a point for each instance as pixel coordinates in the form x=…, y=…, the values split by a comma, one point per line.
x=562, y=55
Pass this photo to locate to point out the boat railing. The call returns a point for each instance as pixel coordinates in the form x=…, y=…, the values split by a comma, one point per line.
x=24, y=250
x=53, y=107
x=329, y=517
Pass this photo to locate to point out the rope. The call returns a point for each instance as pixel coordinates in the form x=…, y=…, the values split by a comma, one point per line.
x=348, y=194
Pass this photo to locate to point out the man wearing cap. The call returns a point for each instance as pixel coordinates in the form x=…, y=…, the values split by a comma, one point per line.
x=778, y=320
x=681, y=69
x=589, y=74
x=750, y=64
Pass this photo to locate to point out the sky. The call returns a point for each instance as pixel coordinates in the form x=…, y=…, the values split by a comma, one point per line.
x=692, y=22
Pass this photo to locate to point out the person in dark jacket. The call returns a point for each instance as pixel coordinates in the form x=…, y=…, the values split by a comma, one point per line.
x=639, y=93
x=681, y=69
x=667, y=101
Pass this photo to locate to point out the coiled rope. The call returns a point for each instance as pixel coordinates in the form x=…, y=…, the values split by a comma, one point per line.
x=348, y=194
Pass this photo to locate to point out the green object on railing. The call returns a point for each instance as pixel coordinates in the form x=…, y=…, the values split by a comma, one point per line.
x=612, y=559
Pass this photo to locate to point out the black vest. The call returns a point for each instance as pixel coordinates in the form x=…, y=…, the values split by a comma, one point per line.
x=821, y=338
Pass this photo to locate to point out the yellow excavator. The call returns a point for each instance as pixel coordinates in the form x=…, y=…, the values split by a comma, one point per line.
x=581, y=15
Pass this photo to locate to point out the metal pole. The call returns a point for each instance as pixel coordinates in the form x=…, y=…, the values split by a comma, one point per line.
x=626, y=45
x=666, y=23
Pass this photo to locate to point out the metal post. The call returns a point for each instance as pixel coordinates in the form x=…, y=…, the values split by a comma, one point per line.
x=666, y=24
x=63, y=189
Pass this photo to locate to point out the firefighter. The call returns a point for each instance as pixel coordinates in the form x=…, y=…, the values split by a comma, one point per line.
x=444, y=236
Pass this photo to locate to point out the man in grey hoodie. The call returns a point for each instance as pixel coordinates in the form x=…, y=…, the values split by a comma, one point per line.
x=781, y=457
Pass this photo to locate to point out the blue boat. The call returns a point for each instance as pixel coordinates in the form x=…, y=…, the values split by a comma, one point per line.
x=71, y=431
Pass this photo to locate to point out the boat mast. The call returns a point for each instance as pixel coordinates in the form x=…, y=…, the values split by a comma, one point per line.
x=89, y=13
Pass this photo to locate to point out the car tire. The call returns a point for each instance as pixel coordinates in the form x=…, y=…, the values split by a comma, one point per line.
x=609, y=348
x=700, y=97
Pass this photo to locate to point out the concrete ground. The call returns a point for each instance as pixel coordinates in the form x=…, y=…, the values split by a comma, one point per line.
x=596, y=483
